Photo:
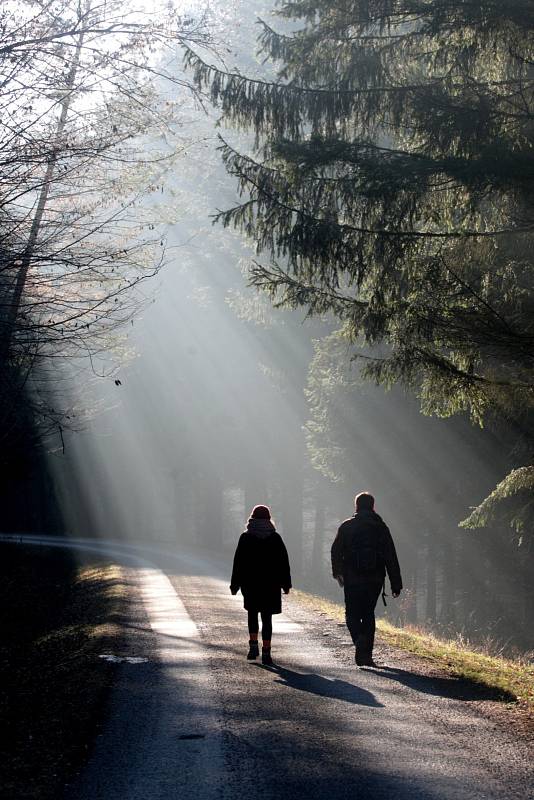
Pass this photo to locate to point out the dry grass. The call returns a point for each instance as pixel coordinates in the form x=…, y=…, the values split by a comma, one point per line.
x=61, y=614
x=512, y=679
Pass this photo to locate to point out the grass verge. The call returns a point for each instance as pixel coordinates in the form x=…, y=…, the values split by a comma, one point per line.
x=60, y=613
x=511, y=679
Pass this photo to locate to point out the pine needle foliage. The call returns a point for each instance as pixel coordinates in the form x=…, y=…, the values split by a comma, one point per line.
x=517, y=486
x=392, y=186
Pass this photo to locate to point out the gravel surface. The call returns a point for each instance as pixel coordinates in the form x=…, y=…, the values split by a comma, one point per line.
x=199, y=721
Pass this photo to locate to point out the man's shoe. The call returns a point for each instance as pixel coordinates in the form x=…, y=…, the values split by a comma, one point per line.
x=368, y=662
x=253, y=651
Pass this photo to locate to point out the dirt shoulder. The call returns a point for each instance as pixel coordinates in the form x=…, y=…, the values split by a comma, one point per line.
x=61, y=611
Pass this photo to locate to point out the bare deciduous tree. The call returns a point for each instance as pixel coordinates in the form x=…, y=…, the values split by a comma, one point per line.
x=79, y=105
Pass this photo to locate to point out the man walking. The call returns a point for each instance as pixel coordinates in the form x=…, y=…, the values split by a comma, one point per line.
x=362, y=552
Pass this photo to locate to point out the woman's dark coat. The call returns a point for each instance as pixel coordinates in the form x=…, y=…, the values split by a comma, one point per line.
x=261, y=571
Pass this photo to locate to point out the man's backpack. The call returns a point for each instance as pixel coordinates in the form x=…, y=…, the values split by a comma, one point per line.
x=364, y=550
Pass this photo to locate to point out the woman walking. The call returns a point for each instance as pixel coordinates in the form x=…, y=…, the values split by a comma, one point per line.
x=261, y=571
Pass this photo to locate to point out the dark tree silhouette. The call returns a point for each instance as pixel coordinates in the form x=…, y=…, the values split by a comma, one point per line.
x=392, y=188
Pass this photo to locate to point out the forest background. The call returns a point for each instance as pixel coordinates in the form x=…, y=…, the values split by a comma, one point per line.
x=383, y=152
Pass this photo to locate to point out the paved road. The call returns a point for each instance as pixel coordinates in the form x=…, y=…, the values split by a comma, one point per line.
x=199, y=721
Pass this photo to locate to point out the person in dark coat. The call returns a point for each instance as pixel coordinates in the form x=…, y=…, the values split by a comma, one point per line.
x=261, y=571
x=362, y=553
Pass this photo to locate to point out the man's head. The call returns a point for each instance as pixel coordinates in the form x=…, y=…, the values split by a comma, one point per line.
x=364, y=502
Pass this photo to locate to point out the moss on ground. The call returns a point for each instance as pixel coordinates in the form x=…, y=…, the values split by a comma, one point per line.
x=511, y=679
x=60, y=614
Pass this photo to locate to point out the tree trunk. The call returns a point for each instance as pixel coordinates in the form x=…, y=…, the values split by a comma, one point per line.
x=25, y=261
x=291, y=517
x=255, y=492
x=430, y=613
x=318, y=564
x=449, y=574
x=213, y=535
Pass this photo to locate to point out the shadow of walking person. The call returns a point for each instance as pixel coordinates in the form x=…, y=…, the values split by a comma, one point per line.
x=325, y=687
x=455, y=688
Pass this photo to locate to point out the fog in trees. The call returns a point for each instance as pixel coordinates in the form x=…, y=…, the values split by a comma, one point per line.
x=224, y=401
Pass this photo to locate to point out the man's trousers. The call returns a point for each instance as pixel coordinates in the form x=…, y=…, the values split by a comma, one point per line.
x=360, y=602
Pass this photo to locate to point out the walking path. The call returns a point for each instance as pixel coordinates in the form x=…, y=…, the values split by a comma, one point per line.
x=198, y=721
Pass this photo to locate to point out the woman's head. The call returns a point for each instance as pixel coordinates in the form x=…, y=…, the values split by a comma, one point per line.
x=260, y=512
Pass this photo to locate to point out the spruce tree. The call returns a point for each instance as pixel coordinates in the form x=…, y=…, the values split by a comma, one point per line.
x=391, y=185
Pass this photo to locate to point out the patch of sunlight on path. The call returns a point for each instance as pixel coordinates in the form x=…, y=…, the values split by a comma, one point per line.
x=162, y=736
x=165, y=610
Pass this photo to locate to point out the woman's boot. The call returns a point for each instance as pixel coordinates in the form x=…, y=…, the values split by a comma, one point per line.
x=266, y=653
x=253, y=650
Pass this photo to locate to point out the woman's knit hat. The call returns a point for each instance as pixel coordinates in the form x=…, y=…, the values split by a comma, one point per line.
x=260, y=512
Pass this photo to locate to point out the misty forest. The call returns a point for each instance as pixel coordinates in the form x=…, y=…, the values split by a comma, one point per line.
x=260, y=260
x=258, y=253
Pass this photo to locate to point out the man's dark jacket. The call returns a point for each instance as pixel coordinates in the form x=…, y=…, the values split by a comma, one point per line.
x=366, y=525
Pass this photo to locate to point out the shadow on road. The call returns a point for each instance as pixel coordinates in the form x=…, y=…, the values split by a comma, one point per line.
x=324, y=687
x=451, y=687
